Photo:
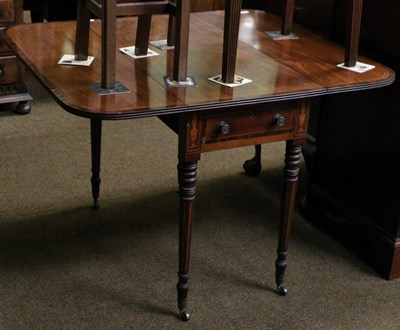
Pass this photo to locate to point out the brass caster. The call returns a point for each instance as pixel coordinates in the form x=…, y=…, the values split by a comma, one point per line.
x=185, y=316
x=282, y=291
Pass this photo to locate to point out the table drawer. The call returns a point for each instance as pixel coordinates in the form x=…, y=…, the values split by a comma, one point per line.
x=235, y=124
x=6, y=11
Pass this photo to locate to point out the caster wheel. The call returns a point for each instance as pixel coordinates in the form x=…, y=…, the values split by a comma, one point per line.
x=185, y=316
x=96, y=204
x=23, y=108
x=252, y=167
x=282, y=291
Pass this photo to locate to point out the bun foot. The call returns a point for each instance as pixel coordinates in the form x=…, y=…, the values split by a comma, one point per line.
x=23, y=108
x=282, y=291
x=185, y=316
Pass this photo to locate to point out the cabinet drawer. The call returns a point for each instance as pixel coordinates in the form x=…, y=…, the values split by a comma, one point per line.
x=8, y=70
x=235, y=124
x=6, y=11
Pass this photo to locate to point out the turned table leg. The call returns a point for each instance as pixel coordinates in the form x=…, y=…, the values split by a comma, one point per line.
x=187, y=190
x=291, y=173
x=95, y=134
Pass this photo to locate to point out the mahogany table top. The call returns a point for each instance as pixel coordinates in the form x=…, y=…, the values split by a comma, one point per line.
x=279, y=70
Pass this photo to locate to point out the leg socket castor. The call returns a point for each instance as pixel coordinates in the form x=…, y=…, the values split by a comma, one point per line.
x=96, y=204
x=185, y=316
x=282, y=291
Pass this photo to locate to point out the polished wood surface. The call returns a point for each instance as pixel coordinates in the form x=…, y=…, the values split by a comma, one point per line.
x=275, y=106
x=306, y=67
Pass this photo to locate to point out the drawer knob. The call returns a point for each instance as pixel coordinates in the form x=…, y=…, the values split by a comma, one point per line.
x=223, y=127
x=279, y=120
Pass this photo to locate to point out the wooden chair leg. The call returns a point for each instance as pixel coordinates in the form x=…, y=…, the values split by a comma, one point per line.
x=108, y=47
x=142, y=35
x=287, y=17
x=82, y=32
x=182, y=16
x=231, y=33
x=171, y=30
x=353, y=26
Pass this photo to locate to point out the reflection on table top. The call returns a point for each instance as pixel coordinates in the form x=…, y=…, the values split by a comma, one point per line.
x=279, y=70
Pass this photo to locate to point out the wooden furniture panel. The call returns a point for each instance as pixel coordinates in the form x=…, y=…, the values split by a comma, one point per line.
x=6, y=11
x=12, y=73
x=352, y=163
x=4, y=48
x=9, y=71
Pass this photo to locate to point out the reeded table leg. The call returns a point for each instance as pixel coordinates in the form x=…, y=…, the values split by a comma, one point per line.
x=292, y=162
x=95, y=134
x=187, y=191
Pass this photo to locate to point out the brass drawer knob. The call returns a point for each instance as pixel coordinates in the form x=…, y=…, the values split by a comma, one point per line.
x=223, y=127
x=279, y=120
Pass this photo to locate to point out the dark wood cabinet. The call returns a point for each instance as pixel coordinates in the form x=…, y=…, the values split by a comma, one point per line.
x=354, y=182
x=353, y=154
x=12, y=73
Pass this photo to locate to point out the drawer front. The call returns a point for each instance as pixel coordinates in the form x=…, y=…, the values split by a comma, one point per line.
x=8, y=76
x=6, y=11
x=236, y=124
x=3, y=47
